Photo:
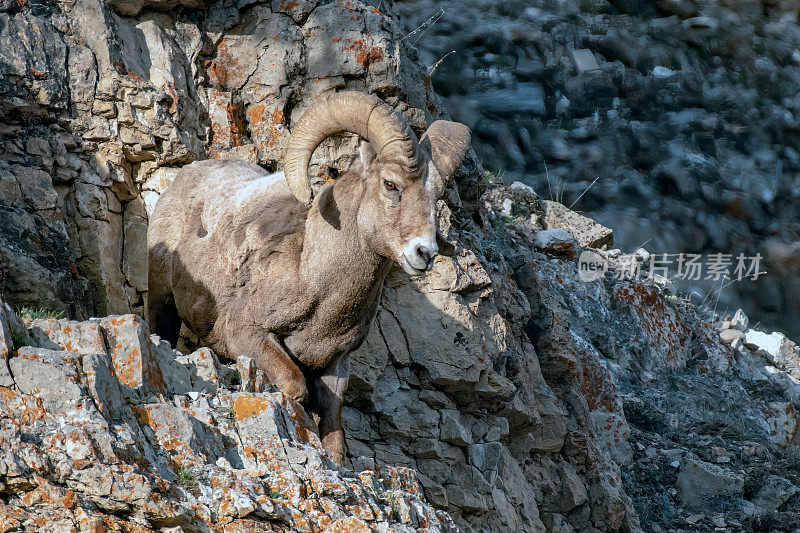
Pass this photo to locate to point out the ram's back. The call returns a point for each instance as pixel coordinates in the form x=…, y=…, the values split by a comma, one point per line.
x=225, y=229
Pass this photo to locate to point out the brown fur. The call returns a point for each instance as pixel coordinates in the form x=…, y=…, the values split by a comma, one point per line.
x=252, y=271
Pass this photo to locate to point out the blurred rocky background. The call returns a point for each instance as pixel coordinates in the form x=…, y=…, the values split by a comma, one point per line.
x=685, y=112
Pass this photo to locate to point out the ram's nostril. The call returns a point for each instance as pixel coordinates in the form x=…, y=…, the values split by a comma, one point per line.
x=424, y=252
x=420, y=253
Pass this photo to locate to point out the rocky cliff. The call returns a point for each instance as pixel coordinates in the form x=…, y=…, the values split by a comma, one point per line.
x=106, y=428
x=499, y=392
x=102, y=103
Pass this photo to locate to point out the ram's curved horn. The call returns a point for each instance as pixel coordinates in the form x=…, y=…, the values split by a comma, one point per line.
x=363, y=114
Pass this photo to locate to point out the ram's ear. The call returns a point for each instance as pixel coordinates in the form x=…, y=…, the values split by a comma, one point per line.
x=366, y=153
x=446, y=143
x=445, y=248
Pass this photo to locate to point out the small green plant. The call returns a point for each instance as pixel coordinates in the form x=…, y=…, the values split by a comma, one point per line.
x=395, y=507
x=32, y=314
x=18, y=338
x=183, y=477
x=494, y=177
x=391, y=498
x=275, y=495
x=394, y=501
x=510, y=219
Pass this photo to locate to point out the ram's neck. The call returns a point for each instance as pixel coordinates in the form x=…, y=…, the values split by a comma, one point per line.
x=336, y=262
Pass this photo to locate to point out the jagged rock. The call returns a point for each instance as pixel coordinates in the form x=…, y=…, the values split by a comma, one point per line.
x=82, y=338
x=500, y=376
x=584, y=60
x=452, y=430
x=634, y=141
x=557, y=242
x=729, y=336
x=104, y=387
x=515, y=200
x=769, y=342
x=699, y=482
x=135, y=358
x=783, y=423
x=663, y=72
x=51, y=376
x=255, y=459
x=173, y=367
x=740, y=321
x=774, y=492
x=205, y=370
x=586, y=231
x=486, y=458
x=573, y=492
x=132, y=8
x=33, y=60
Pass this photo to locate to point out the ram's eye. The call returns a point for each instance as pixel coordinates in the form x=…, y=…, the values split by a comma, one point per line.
x=390, y=185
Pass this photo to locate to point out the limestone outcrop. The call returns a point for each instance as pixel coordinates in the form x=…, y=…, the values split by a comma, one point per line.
x=101, y=103
x=105, y=427
x=499, y=392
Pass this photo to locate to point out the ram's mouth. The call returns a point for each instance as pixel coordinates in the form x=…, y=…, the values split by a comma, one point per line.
x=409, y=268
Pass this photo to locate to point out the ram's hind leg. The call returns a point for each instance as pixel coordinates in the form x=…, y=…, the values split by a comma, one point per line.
x=326, y=398
x=162, y=314
x=165, y=321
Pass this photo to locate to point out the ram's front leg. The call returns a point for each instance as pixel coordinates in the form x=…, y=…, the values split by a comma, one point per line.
x=270, y=356
x=326, y=398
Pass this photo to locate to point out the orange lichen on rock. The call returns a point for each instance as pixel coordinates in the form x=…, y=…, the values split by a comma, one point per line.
x=222, y=64
x=783, y=421
x=158, y=449
x=268, y=128
x=247, y=406
x=25, y=408
x=365, y=54
x=236, y=121
x=227, y=121
x=666, y=332
x=132, y=353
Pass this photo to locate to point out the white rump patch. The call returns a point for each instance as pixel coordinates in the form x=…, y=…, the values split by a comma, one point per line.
x=268, y=185
x=231, y=196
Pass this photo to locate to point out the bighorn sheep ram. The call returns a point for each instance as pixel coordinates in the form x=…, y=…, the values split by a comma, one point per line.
x=251, y=265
